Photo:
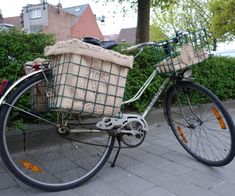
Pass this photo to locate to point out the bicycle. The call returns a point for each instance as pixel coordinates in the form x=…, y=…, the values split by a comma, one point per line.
x=54, y=150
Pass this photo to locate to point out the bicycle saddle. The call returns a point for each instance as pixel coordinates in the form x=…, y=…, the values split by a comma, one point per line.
x=103, y=44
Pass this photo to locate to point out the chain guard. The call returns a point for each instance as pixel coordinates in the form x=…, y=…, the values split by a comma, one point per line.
x=108, y=123
x=130, y=128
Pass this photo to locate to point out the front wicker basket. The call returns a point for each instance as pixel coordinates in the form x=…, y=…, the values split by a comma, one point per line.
x=192, y=48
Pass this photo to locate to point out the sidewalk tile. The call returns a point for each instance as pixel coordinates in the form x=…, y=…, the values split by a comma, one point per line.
x=13, y=191
x=6, y=181
x=158, y=191
x=134, y=185
x=224, y=188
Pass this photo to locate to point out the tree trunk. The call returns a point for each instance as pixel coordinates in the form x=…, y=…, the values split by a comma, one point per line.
x=142, y=31
x=214, y=44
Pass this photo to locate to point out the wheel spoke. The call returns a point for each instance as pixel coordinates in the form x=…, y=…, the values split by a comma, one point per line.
x=33, y=141
x=208, y=130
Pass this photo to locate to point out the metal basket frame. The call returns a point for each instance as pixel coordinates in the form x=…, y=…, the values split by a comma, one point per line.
x=100, y=104
x=170, y=61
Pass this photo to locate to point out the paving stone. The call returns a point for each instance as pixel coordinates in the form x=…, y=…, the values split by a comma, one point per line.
x=224, y=174
x=133, y=152
x=124, y=161
x=182, y=158
x=13, y=191
x=134, y=185
x=194, y=190
x=154, y=149
x=152, y=159
x=159, y=132
x=136, y=154
x=6, y=181
x=110, y=174
x=164, y=142
x=201, y=179
x=168, y=181
x=173, y=167
x=98, y=187
x=144, y=171
x=220, y=173
x=35, y=192
x=158, y=191
x=177, y=148
x=224, y=188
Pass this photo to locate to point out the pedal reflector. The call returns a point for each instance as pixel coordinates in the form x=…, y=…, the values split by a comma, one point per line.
x=182, y=135
x=219, y=118
x=30, y=166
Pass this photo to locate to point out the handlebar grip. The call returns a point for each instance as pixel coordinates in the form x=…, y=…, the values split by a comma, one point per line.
x=132, y=48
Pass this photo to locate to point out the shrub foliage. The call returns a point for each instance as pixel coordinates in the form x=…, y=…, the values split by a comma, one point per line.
x=216, y=73
x=18, y=47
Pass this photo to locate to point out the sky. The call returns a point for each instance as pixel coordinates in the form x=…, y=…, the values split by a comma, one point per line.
x=113, y=22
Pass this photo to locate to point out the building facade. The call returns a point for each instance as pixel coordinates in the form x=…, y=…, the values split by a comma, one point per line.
x=67, y=23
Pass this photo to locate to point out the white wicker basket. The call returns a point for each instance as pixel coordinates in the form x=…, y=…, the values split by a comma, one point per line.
x=87, y=79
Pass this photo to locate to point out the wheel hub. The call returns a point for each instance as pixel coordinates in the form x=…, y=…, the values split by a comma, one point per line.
x=194, y=122
x=63, y=130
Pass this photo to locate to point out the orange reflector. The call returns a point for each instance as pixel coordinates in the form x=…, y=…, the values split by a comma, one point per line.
x=30, y=166
x=182, y=134
x=219, y=118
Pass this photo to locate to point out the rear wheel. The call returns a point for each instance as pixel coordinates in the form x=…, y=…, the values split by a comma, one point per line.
x=40, y=150
x=201, y=123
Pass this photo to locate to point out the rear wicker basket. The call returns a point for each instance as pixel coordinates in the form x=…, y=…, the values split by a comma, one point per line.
x=87, y=79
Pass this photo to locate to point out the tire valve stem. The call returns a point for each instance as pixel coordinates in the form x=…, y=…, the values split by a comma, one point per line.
x=182, y=135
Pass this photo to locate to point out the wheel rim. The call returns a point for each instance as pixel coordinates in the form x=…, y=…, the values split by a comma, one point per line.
x=41, y=162
x=201, y=129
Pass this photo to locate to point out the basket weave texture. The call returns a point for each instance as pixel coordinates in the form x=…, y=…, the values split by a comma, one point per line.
x=87, y=79
x=188, y=56
x=192, y=48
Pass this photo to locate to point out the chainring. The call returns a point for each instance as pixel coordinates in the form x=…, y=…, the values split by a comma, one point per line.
x=136, y=135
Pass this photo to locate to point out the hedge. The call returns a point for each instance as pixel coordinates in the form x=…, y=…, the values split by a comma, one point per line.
x=216, y=73
x=18, y=47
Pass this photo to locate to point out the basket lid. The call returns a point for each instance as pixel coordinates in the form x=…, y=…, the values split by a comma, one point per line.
x=76, y=46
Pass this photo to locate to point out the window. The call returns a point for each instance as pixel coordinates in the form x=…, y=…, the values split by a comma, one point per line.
x=35, y=13
x=35, y=28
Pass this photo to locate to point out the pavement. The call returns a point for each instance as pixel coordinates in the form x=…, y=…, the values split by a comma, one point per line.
x=159, y=167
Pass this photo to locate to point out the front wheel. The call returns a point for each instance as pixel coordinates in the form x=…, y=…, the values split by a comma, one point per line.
x=200, y=123
x=39, y=152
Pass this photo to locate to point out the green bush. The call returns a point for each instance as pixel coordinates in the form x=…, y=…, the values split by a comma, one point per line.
x=216, y=73
x=143, y=66
x=18, y=47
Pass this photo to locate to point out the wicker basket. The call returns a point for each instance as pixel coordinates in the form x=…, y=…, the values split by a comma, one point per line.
x=192, y=48
x=87, y=79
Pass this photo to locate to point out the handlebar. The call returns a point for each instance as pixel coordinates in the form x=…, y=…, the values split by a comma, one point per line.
x=161, y=43
x=132, y=48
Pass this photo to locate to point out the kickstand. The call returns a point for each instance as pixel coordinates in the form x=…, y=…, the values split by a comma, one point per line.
x=118, y=151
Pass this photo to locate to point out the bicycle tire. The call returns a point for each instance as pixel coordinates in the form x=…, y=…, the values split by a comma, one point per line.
x=40, y=157
x=201, y=123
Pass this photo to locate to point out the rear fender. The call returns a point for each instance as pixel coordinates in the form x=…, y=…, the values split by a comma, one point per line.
x=16, y=83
